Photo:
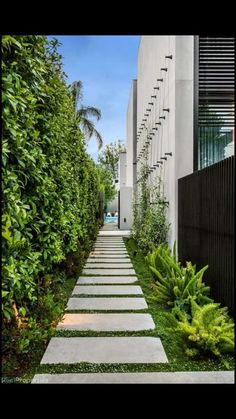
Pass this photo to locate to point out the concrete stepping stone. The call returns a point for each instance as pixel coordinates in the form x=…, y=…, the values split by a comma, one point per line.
x=119, y=253
x=108, y=350
x=111, y=260
x=111, y=303
x=108, y=246
x=196, y=377
x=102, y=265
x=117, y=233
x=106, y=279
x=107, y=322
x=110, y=271
x=110, y=241
x=116, y=241
x=109, y=257
x=107, y=290
x=119, y=241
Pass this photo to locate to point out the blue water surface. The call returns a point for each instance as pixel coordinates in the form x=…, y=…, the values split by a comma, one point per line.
x=111, y=219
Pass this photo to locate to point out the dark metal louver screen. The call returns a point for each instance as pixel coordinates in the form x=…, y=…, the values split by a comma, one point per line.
x=216, y=81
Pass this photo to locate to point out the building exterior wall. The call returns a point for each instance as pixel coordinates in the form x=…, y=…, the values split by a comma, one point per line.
x=122, y=170
x=175, y=134
x=131, y=144
x=126, y=214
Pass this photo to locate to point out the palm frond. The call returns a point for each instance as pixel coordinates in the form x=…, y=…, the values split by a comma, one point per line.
x=86, y=111
x=87, y=127
x=94, y=112
x=99, y=138
x=89, y=130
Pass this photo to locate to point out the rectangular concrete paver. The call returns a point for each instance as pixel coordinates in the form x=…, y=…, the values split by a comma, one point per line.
x=107, y=322
x=107, y=290
x=111, y=303
x=122, y=233
x=109, y=241
x=109, y=260
x=110, y=250
x=106, y=279
x=102, y=265
x=112, y=253
x=197, y=377
x=107, y=350
x=98, y=255
x=110, y=271
x=110, y=246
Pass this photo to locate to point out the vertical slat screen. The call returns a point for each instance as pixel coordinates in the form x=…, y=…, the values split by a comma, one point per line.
x=206, y=226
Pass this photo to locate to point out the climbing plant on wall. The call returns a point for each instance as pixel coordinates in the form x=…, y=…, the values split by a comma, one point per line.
x=150, y=226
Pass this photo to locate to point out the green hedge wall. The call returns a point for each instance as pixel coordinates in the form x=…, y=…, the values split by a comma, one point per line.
x=50, y=184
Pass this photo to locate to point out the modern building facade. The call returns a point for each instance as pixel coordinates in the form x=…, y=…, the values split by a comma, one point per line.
x=180, y=120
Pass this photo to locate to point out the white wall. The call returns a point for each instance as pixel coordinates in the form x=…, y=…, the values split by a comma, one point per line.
x=122, y=170
x=176, y=93
x=131, y=136
x=126, y=214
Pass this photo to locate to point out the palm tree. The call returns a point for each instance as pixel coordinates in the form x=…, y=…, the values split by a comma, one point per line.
x=84, y=112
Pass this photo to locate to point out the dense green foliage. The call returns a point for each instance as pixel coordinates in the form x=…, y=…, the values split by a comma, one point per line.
x=50, y=184
x=109, y=157
x=210, y=329
x=150, y=226
x=174, y=284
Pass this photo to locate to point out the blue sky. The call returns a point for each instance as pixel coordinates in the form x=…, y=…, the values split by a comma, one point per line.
x=106, y=65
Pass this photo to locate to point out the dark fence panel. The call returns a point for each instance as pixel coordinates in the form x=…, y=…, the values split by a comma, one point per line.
x=206, y=226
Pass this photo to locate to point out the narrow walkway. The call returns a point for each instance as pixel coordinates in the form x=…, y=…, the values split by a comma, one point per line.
x=106, y=288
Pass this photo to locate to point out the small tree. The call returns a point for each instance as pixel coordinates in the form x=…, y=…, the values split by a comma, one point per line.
x=106, y=185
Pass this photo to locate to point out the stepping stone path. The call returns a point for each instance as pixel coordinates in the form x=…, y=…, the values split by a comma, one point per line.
x=103, y=289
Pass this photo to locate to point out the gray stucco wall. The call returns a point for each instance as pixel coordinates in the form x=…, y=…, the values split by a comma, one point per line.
x=131, y=144
x=126, y=214
x=176, y=93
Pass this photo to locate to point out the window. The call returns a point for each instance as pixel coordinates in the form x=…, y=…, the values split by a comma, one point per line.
x=214, y=89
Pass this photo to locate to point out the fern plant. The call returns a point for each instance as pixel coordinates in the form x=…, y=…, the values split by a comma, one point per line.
x=175, y=285
x=210, y=330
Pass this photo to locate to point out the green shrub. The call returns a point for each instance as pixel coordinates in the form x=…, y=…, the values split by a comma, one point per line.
x=50, y=184
x=175, y=285
x=209, y=331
